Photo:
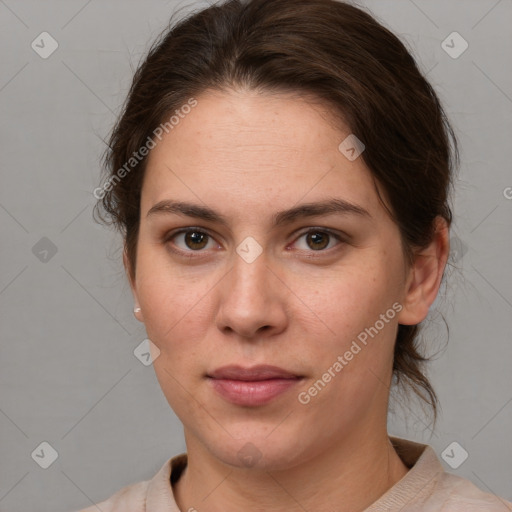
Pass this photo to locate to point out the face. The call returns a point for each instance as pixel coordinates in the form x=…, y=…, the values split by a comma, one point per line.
x=232, y=280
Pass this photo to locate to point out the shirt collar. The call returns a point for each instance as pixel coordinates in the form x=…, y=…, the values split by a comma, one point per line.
x=423, y=462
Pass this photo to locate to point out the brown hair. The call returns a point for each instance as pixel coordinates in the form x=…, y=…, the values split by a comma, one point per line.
x=329, y=49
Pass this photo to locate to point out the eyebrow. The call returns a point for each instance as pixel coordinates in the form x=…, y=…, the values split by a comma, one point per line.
x=328, y=207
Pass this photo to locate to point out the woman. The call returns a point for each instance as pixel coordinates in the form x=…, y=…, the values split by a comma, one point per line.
x=281, y=175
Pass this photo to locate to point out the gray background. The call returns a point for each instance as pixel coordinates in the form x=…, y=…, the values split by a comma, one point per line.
x=68, y=375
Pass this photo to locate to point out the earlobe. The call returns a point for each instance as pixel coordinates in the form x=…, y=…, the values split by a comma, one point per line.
x=424, y=279
x=137, y=311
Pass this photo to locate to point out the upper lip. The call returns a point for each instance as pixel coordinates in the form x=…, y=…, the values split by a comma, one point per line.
x=254, y=373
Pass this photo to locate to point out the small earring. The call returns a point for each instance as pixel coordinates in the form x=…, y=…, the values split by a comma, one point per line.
x=137, y=310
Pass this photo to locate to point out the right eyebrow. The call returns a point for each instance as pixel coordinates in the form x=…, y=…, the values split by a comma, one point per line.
x=328, y=207
x=187, y=209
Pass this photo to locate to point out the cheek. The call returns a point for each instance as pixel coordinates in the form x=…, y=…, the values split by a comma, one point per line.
x=359, y=322
x=175, y=306
x=351, y=299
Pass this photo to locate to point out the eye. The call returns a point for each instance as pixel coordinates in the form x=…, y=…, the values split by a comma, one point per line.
x=192, y=240
x=318, y=239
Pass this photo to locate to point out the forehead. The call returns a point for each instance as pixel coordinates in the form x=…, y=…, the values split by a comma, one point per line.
x=257, y=150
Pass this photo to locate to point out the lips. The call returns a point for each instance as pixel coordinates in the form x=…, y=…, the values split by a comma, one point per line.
x=256, y=373
x=253, y=386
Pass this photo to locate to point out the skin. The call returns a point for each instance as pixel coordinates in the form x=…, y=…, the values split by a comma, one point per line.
x=298, y=305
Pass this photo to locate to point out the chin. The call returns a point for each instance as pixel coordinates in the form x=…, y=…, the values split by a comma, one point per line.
x=259, y=453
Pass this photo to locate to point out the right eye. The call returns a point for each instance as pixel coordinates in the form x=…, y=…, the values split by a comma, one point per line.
x=192, y=240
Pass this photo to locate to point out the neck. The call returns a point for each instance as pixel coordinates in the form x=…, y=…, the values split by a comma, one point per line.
x=347, y=477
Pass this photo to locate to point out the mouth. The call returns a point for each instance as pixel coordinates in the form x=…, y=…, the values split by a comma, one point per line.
x=253, y=386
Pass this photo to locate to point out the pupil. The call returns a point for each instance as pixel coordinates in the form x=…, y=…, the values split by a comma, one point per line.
x=194, y=238
x=317, y=237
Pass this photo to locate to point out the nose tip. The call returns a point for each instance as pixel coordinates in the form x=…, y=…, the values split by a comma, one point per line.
x=245, y=331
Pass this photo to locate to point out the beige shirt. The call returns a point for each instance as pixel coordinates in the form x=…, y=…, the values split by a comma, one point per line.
x=426, y=487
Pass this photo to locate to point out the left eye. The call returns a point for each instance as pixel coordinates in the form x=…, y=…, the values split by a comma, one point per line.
x=317, y=239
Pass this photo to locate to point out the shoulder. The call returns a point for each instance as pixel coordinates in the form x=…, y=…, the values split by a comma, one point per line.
x=131, y=498
x=153, y=495
x=427, y=487
x=456, y=494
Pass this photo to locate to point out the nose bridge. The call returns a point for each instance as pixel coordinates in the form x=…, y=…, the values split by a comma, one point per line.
x=249, y=298
x=251, y=273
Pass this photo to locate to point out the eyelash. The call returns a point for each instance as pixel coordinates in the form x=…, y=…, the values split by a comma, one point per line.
x=190, y=253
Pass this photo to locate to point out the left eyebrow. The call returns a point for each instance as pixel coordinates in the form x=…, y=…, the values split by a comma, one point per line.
x=328, y=207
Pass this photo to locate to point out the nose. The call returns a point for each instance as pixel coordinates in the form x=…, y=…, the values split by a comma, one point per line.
x=252, y=299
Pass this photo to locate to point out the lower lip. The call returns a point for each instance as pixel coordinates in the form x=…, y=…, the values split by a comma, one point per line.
x=251, y=393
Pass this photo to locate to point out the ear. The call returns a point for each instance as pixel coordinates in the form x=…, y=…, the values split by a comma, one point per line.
x=424, y=277
x=136, y=307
